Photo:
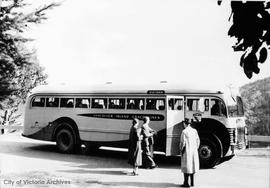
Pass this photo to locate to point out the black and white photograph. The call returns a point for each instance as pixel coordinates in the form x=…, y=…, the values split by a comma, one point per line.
x=134, y=93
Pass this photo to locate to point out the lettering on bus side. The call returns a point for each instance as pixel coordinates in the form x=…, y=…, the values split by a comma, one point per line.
x=153, y=117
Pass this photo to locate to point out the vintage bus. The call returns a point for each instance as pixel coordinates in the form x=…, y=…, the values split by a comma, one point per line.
x=101, y=115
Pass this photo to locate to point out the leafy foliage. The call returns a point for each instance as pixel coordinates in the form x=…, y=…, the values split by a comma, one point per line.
x=256, y=98
x=251, y=28
x=19, y=68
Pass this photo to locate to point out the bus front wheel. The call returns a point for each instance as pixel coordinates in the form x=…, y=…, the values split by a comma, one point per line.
x=209, y=153
x=65, y=141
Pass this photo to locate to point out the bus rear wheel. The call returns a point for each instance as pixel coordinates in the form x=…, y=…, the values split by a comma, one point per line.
x=65, y=141
x=209, y=153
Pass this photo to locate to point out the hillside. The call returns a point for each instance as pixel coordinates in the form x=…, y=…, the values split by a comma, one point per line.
x=256, y=98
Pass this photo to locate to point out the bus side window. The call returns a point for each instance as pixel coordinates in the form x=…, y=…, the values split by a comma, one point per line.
x=115, y=103
x=130, y=104
x=155, y=104
x=192, y=104
x=100, y=103
x=38, y=102
x=151, y=104
x=67, y=102
x=52, y=102
x=218, y=108
x=161, y=104
x=135, y=104
x=206, y=105
x=171, y=104
x=82, y=103
x=175, y=104
x=215, y=110
x=178, y=104
x=195, y=104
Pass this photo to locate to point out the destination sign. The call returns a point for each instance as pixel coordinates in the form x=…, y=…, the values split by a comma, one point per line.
x=155, y=92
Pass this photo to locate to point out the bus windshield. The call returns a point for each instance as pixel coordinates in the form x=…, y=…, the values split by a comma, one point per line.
x=235, y=107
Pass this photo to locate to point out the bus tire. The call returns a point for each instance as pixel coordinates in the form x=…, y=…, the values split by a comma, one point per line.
x=65, y=141
x=210, y=152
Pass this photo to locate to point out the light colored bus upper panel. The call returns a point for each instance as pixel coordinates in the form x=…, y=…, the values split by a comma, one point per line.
x=125, y=89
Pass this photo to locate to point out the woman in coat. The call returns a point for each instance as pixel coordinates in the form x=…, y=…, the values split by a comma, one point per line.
x=134, y=150
x=189, y=144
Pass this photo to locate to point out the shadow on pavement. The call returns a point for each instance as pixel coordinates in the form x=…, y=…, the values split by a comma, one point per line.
x=97, y=159
x=139, y=184
x=92, y=183
x=107, y=172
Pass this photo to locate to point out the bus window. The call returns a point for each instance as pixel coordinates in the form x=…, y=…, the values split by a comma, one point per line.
x=155, y=104
x=171, y=104
x=197, y=104
x=52, y=102
x=206, y=105
x=235, y=107
x=240, y=108
x=135, y=104
x=192, y=104
x=218, y=108
x=38, y=102
x=115, y=103
x=82, y=103
x=67, y=102
x=176, y=104
x=99, y=103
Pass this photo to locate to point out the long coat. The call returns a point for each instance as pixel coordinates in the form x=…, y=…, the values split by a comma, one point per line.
x=134, y=150
x=189, y=144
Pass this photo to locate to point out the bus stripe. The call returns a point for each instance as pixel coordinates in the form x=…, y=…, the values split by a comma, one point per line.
x=153, y=117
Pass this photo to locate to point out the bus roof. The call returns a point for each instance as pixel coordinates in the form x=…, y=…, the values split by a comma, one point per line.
x=161, y=88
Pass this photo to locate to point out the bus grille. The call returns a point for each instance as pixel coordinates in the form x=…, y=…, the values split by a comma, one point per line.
x=240, y=138
x=240, y=145
x=231, y=132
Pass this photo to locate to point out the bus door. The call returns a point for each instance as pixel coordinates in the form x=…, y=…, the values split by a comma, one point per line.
x=174, y=127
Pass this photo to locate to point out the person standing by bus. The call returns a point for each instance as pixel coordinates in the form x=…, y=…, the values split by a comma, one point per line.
x=189, y=144
x=151, y=140
x=134, y=150
x=147, y=144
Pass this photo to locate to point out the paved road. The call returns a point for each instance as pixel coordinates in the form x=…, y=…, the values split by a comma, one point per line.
x=30, y=163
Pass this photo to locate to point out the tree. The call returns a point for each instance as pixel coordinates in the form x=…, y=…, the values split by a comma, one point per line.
x=251, y=28
x=256, y=99
x=26, y=79
x=19, y=68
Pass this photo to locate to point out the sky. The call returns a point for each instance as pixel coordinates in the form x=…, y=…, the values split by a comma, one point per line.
x=139, y=41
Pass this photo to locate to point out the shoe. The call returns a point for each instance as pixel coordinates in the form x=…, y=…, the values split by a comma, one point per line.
x=147, y=167
x=152, y=167
x=135, y=174
x=184, y=185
